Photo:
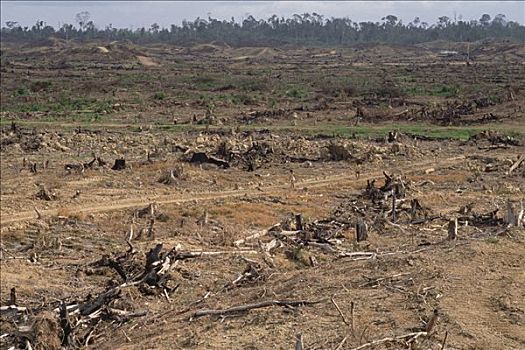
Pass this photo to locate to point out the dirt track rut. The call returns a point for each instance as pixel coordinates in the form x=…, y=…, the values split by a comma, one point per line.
x=92, y=208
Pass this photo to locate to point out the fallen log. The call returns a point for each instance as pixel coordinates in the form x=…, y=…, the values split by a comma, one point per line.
x=201, y=157
x=123, y=315
x=247, y=307
x=7, y=308
x=250, y=237
x=358, y=255
x=197, y=254
x=412, y=337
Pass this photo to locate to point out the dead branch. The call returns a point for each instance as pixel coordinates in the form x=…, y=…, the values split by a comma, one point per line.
x=358, y=255
x=411, y=336
x=38, y=215
x=7, y=308
x=127, y=314
x=340, y=312
x=67, y=329
x=352, y=317
x=247, y=307
x=444, y=341
x=341, y=344
x=432, y=322
x=517, y=164
x=324, y=246
x=197, y=254
x=253, y=236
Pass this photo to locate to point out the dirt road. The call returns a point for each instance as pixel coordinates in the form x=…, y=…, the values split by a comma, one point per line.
x=92, y=208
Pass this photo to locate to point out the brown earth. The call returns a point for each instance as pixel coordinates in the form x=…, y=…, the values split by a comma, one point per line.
x=272, y=112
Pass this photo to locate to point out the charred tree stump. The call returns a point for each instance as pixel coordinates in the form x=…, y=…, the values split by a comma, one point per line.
x=118, y=268
x=392, y=136
x=66, y=325
x=12, y=297
x=153, y=256
x=393, y=205
x=120, y=164
x=452, y=229
x=298, y=222
x=361, y=231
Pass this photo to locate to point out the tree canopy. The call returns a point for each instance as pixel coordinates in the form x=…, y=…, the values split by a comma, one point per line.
x=300, y=29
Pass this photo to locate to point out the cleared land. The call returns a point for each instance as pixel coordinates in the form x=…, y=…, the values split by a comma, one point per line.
x=397, y=138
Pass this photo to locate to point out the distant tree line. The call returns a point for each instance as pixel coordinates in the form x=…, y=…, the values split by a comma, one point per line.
x=306, y=29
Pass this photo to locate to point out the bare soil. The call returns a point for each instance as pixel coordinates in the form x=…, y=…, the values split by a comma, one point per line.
x=212, y=150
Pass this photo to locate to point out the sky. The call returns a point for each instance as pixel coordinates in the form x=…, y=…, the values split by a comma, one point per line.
x=136, y=14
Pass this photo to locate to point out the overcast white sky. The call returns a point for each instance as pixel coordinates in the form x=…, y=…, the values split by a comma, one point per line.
x=134, y=14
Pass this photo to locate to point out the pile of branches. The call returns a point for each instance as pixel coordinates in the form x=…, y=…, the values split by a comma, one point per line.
x=29, y=140
x=389, y=203
x=74, y=323
x=258, y=153
x=495, y=138
x=325, y=231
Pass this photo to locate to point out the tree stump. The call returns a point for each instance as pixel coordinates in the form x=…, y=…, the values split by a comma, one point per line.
x=510, y=217
x=120, y=164
x=453, y=229
x=361, y=231
x=298, y=222
x=393, y=205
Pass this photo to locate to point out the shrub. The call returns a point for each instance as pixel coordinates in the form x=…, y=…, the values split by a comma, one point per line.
x=159, y=96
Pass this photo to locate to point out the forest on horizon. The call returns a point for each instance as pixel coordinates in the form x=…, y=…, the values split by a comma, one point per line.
x=305, y=29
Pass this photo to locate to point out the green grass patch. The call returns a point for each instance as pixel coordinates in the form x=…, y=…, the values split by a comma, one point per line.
x=330, y=130
x=445, y=91
x=159, y=95
x=21, y=91
x=364, y=131
x=416, y=91
x=63, y=104
x=297, y=92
